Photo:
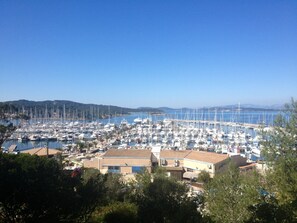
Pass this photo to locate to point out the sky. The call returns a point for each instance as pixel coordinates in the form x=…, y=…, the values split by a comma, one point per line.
x=135, y=53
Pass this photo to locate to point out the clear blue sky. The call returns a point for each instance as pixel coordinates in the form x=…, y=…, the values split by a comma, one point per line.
x=149, y=53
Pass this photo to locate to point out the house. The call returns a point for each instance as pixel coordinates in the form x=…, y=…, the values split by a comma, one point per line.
x=94, y=162
x=172, y=161
x=126, y=161
x=170, y=158
x=196, y=161
x=178, y=163
x=191, y=163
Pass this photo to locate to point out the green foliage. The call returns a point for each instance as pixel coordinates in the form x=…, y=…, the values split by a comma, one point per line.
x=36, y=189
x=116, y=188
x=91, y=193
x=8, y=112
x=5, y=131
x=116, y=212
x=144, y=178
x=6, y=128
x=166, y=200
x=269, y=211
x=159, y=172
x=204, y=177
x=235, y=197
x=280, y=151
x=229, y=194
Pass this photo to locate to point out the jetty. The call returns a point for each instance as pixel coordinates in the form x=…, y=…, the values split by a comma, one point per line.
x=217, y=123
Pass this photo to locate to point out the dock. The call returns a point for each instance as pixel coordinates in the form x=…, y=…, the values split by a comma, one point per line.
x=219, y=123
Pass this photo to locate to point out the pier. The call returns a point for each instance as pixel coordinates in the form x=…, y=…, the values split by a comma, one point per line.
x=218, y=123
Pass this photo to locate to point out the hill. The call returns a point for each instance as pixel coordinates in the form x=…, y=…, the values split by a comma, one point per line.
x=245, y=107
x=70, y=110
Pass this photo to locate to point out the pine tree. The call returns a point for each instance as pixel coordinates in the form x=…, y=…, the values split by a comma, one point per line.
x=280, y=152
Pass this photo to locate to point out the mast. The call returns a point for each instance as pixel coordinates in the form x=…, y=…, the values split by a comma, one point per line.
x=45, y=115
x=64, y=113
x=238, y=112
x=215, y=119
x=108, y=114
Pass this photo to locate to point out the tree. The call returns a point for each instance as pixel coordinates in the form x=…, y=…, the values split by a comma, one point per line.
x=166, y=200
x=6, y=130
x=116, y=212
x=115, y=187
x=28, y=189
x=91, y=192
x=268, y=211
x=229, y=194
x=135, y=188
x=6, y=127
x=8, y=112
x=204, y=177
x=280, y=152
x=36, y=189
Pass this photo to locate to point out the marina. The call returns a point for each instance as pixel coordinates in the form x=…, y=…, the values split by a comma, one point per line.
x=83, y=139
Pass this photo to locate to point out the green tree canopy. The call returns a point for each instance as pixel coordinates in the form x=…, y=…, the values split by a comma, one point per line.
x=116, y=212
x=6, y=127
x=36, y=189
x=166, y=200
x=204, y=177
x=8, y=112
x=280, y=152
x=116, y=187
x=230, y=193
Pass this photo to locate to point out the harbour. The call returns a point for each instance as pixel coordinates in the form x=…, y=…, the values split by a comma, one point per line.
x=175, y=130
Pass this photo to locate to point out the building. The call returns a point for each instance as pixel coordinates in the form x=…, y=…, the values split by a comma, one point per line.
x=173, y=162
x=173, y=158
x=196, y=161
x=94, y=162
x=192, y=162
x=126, y=161
x=178, y=163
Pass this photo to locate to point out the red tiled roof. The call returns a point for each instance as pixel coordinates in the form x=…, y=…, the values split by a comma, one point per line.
x=207, y=157
x=127, y=153
x=171, y=154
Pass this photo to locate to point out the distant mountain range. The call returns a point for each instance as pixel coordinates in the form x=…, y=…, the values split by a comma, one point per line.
x=244, y=107
x=249, y=107
x=69, y=109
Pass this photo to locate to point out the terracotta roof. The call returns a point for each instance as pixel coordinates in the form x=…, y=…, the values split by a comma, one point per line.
x=171, y=154
x=207, y=157
x=41, y=151
x=127, y=153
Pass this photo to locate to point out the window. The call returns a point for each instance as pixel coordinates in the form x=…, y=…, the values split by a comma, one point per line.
x=137, y=169
x=163, y=162
x=113, y=169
